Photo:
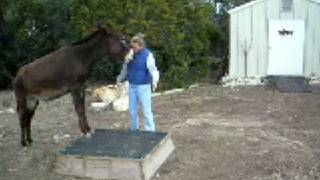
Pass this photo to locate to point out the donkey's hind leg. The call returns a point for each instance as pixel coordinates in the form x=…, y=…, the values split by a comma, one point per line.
x=26, y=109
x=32, y=105
x=22, y=109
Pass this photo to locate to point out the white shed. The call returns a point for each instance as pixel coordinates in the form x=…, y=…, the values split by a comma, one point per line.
x=275, y=37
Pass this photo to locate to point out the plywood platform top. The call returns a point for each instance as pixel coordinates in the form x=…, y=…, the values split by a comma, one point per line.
x=115, y=144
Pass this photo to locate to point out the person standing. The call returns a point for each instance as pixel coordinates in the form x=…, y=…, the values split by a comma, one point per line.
x=143, y=76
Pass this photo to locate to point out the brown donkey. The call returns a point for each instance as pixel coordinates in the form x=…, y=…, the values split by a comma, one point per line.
x=61, y=72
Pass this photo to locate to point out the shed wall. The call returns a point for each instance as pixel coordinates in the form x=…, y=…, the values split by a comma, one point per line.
x=249, y=25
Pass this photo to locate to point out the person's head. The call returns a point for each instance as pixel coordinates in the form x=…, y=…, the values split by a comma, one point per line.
x=137, y=42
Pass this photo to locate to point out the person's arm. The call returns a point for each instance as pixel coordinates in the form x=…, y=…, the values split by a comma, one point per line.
x=123, y=74
x=153, y=70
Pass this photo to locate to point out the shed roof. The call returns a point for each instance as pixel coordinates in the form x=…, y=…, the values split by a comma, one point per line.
x=254, y=2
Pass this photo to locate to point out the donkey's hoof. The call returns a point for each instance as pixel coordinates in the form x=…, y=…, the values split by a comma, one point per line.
x=24, y=149
x=88, y=129
x=29, y=142
x=23, y=143
x=88, y=135
x=91, y=131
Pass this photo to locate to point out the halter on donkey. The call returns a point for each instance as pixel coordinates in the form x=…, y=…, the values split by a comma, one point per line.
x=61, y=72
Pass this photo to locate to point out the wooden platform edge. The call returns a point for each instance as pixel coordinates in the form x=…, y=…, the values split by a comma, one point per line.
x=157, y=157
x=116, y=168
x=98, y=168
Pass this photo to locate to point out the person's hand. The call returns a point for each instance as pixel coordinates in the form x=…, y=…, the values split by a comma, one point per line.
x=154, y=86
x=129, y=56
x=118, y=79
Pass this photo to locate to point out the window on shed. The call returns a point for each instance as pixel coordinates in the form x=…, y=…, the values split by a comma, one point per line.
x=287, y=5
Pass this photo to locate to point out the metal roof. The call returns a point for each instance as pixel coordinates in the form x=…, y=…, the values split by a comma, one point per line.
x=254, y=2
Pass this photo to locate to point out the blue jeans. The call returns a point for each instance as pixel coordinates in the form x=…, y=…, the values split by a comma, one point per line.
x=141, y=94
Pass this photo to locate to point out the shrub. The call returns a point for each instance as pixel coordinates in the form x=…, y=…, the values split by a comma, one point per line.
x=180, y=33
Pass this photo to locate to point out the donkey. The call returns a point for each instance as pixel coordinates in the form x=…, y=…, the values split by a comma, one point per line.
x=63, y=71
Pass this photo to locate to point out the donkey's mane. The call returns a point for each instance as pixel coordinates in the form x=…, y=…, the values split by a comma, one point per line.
x=86, y=39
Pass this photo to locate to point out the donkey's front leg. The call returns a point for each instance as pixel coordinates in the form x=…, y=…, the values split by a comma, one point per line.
x=78, y=96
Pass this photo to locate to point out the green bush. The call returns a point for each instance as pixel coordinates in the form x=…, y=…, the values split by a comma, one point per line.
x=181, y=33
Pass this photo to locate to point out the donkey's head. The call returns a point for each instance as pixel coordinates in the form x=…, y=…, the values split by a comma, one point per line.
x=115, y=42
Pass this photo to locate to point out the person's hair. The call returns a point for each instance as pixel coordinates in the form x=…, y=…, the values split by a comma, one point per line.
x=138, y=38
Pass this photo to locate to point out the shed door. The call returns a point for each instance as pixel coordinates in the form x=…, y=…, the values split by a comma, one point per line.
x=286, y=41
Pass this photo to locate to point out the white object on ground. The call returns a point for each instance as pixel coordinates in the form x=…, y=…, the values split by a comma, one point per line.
x=106, y=94
x=194, y=86
x=66, y=136
x=12, y=170
x=252, y=81
x=116, y=95
x=314, y=80
x=56, y=138
x=173, y=91
x=9, y=110
x=156, y=94
x=241, y=81
x=121, y=104
x=99, y=106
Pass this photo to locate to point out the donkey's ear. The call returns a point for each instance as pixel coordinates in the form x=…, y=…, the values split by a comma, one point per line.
x=94, y=29
x=105, y=28
x=124, y=30
x=108, y=29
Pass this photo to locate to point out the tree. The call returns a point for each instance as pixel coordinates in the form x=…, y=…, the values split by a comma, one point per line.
x=181, y=33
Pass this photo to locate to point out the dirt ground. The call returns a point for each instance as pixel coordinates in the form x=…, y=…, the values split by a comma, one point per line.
x=219, y=134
